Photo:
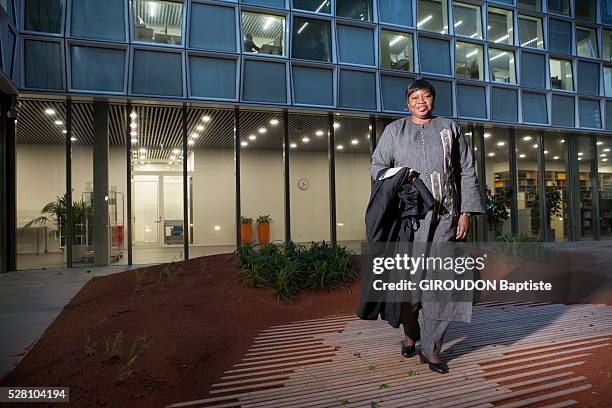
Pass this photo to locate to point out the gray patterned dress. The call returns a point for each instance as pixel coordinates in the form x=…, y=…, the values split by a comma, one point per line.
x=440, y=153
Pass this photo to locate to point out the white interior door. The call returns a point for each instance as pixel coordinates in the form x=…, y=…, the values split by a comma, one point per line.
x=147, y=219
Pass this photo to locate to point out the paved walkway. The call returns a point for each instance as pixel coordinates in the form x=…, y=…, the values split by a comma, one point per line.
x=31, y=300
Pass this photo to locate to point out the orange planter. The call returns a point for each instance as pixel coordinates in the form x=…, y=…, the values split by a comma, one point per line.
x=263, y=232
x=246, y=233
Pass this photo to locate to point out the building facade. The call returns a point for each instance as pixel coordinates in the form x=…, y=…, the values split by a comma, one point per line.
x=146, y=129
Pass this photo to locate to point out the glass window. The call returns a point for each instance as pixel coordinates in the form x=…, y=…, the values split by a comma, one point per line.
x=586, y=42
x=501, y=64
x=530, y=4
x=562, y=110
x=266, y=3
x=157, y=73
x=11, y=11
x=432, y=16
x=357, y=9
x=588, y=78
x=555, y=179
x=534, y=108
x=396, y=50
x=471, y=101
x=355, y=45
x=313, y=86
x=263, y=33
x=394, y=92
x=44, y=15
x=468, y=21
x=607, y=45
x=219, y=32
x=264, y=82
x=606, y=11
x=530, y=32
x=43, y=65
x=561, y=75
x=585, y=186
x=212, y=77
x=434, y=56
x=317, y=6
x=608, y=115
x=533, y=70
x=585, y=9
x=590, y=114
x=500, y=28
x=604, y=167
x=10, y=51
x=504, y=104
x=311, y=39
x=559, y=6
x=357, y=89
x=395, y=12
x=158, y=21
x=97, y=69
x=527, y=176
x=444, y=97
x=497, y=180
x=98, y=20
x=560, y=36
x=607, y=81
x=468, y=61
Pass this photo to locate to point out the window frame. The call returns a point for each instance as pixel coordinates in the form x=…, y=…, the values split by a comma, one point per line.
x=412, y=25
x=399, y=74
x=505, y=48
x=433, y=36
x=480, y=8
x=313, y=64
x=363, y=25
x=543, y=26
x=237, y=42
x=483, y=73
x=126, y=23
x=138, y=47
x=411, y=34
x=22, y=79
x=477, y=84
x=547, y=104
x=373, y=20
x=601, y=112
x=194, y=53
x=565, y=95
x=270, y=12
x=21, y=22
x=332, y=9
x=514, y=23
x=449, y=18
x=496, y=85
x=93, y=44
x=597, y=40
x=251, y=57
x=154, y=44
x=573, y=67
x=376, y=84
x=332, y=35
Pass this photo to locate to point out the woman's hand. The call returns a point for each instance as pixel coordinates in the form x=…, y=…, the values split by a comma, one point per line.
x=463, y=226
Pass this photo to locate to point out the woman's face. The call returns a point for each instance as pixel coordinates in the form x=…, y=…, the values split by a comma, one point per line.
x=420, y=103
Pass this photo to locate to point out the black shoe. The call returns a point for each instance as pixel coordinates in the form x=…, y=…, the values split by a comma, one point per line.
x=408, y=351
x=441, y=367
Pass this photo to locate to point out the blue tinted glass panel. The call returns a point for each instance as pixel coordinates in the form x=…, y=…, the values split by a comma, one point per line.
x=609, y=115
x=356, y=45
x=471, y=101
x=562, y=113
x=212, y=77
x=103, y=20
x=533, y=70
x=435, y=56
x=264, y=82
x=534, y=108
x=11, y=10
x=317, y=6
x=157, y=73
x=606, y=11
x=395, y=12
x=44, y=15
x=97, y=69
x=394, y=92
x=43, y=65
x=588, y=78
x=266, y=3
x=10, y=52
x=560, y=36
x=357, y=9
x=590, y=115
x=313, y=86
x=504, y=104
x=357, y=89
x=311, y=39
x=444, y=97
x=212, y=27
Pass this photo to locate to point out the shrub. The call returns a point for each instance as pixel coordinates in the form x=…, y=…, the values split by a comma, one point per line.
x=288, y=268
x=522, y=247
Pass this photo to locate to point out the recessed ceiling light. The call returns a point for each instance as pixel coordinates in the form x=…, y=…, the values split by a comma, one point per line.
x=340, y=147
x=604, y=159
x=58, y=122
x=274, y=122
x=556, y=157
x=142, y=150
x=217, y=228
x=535, y=146
x=606, y=150
x=602, y=155
x=190, y=143
x=195, y=135
x=133, y=115
x=562, y=140
x=133, y=133
x=545, y=151
x=501, y=143
x=580, y=158
x=293, y=145
x=599, y=143
x=527, y=138
x=336, y=125
x=134, y=141
x=319, y=133
x=200, y=128
x=522, y=156
x=64, y=131
x=49, y=111
x=580, y=153
x=305, y=139
x=73, y=139
x=176, y=151
x=206, y=118
x=173, y=158
x=487, y=135
x=354, y=141
x=243, y=144
x=133, y=125
x=262, y=130
x=252, y=137
x=491, y=154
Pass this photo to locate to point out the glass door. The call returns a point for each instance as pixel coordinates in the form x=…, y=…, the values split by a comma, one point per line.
x=146, y=217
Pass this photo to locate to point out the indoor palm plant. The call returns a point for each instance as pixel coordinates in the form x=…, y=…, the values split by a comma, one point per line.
x=497, y=211
x=263, y=228
x=246, y=229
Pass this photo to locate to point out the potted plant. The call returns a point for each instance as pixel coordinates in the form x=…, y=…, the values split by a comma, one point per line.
x=246, y=229
x=553, y=209
x=497, y=211
x=263, y=228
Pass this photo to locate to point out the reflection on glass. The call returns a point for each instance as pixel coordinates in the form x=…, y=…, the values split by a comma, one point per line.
x=555, y=179
x=356, y=9
x=501, y=64
x=263, y=33
x=584, y=157
x=585, y=9
x=497, y=181
x=530, y=4
x=468, y=61
x=468, y=21
x=607, y=44
x=608, y=81
x=527, y=172
x=318, y=6
x=559, y=36
x=44, y=15
x=395, y=12
x=158, y=21
x=561, y=75
x=396, y=50
x=311, y=39
x=500, y=29
x=604, y=168
x=530, y=32
x=586, y=42
x=432, y=16
x=559, y=7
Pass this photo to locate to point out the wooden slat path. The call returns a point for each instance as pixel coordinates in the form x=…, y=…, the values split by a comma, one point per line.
x=511, y=355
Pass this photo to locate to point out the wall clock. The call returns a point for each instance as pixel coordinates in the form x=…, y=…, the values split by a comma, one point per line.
x=303, y=184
